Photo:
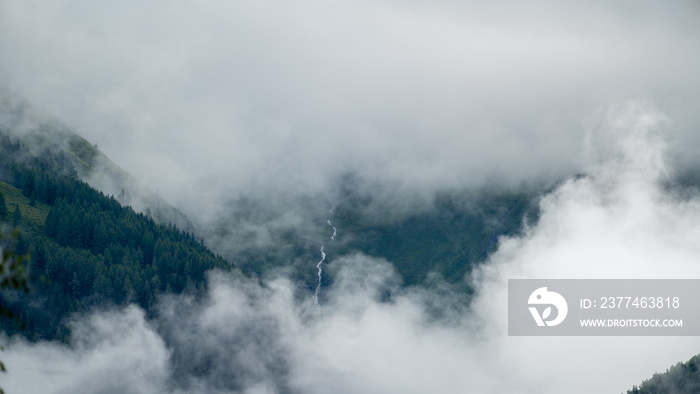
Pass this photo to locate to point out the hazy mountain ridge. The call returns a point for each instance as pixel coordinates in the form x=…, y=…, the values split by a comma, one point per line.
x=458, y=230
x=40, y=132
x=682, y=378
x=87, y=250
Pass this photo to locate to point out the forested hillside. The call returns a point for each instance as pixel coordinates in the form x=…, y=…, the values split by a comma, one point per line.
x=86, y=249
x=89, y=251
x=39, y=132
x=682, y=378
x=448, y=236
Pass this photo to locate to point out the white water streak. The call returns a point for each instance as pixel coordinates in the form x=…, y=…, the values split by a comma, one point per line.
x=320, y=263
x=320, y=273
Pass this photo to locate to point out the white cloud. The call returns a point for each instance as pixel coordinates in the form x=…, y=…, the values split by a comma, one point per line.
x=112, y=352
x=619, y=221
x=258, y=97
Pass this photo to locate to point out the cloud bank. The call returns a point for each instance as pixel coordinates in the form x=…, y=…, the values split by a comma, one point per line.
x=268, y=97
x=372, y=336
x=211, y=100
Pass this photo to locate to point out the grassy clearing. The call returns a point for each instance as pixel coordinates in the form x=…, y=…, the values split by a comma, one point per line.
x=33, y=217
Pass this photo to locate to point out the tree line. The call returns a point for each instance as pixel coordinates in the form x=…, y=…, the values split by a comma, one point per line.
x=91, y=250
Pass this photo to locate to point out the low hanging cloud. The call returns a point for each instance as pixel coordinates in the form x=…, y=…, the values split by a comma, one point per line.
x=620, y=220
x=208, y=100
x=110, y=352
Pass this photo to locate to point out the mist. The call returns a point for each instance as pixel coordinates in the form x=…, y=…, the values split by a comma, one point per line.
x=374, y=336
x=216, y=105
x=270, y=99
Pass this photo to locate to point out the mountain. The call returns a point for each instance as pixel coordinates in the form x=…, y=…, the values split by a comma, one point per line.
x=682, y=378
x=91, y=250
x=87, y=250
x=40, y=132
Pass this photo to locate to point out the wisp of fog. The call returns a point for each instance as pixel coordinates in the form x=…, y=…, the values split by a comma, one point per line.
x=620, y=220
x=270, y=98
x=215, y=103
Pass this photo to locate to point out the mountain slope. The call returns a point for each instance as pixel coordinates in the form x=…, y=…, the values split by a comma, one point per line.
x=87, y=250
x=40, y=132
x=682, y=378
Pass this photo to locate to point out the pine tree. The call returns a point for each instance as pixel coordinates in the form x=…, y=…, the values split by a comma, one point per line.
x=53, y=218
x=75, y=285
x=3, y=207
x=29, y=184
x=103, y=285
x=17, y=216
x=100, y=238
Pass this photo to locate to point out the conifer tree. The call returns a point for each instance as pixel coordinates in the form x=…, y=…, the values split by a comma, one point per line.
x=17, y=216
x=3, y=207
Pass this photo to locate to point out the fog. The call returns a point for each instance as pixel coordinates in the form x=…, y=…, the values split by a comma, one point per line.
x=269, y=98
x=209, y=102
x=373, y=336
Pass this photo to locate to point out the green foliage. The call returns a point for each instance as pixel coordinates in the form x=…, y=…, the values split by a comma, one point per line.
x=458, y=231
x=12, y=275
x=89, y=250
x=681, y=378
x=82, y=149
x=3, y=207
x=33, y=217
x=14, y=257
x=17, y=216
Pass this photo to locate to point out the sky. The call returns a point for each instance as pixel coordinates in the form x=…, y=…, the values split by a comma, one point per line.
x=272, y=98
x=265, y=97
